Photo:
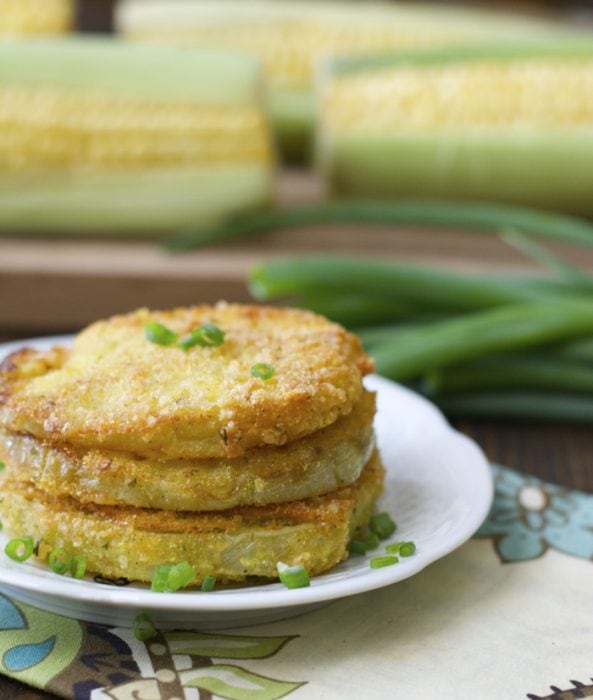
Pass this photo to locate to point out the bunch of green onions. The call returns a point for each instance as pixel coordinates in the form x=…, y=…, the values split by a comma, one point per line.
x=506, y=347
x=512, y=346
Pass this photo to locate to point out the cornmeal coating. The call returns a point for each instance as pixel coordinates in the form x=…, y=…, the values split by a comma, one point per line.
x=316, y=464
x=116, y=390
x=232, y=545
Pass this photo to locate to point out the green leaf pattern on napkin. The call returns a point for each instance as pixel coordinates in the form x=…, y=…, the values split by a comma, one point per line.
x=73, y=658
x=224, y=646
x=35, y=646
x=237, y=683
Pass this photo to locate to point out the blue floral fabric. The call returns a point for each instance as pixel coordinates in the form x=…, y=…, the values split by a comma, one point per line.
x=529, y=516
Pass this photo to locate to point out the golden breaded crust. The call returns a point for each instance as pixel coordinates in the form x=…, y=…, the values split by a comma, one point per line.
x=316, y=464
x=116, y=390
x=231, y=545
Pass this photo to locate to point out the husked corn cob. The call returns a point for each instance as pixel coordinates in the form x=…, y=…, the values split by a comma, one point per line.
x=100, y=135
x=32, y=17
x=292, y=36
x=507, y=123
x=53, y=129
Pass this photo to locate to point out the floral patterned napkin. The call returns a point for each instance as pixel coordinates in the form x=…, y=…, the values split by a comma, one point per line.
x=508, y=615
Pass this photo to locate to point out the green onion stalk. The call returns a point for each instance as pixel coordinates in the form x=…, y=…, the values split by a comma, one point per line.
x=517, y=346
x=413, y=288
x=442, y=214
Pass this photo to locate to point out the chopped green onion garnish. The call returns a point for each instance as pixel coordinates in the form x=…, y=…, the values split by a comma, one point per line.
x=2, y=466
x=404, y=549
x=380, y=562
x=382, y=525
x=59, y=560
x=159, y=579
x=78, y=567
x=180, y=576
x=262, y=371
x=172, y=578
x=292, y=576
x=363, y=542
x=208, y=336
x=357, y=547
x=159, y=334
x=188, y=342
x=407, y=549
x=208, y=583
x=371, y=541
x=144, y=628
x=20, y=548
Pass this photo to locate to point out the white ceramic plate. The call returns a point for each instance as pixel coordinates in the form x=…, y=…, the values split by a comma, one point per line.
x=438, y=489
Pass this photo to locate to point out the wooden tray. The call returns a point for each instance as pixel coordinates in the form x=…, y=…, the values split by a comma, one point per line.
x=55, y=285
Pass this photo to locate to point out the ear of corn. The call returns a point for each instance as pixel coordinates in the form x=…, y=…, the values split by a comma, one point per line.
x=512, y=124
x=99, y=135
x=129, y=202
x=292, y=36
x=35, y=17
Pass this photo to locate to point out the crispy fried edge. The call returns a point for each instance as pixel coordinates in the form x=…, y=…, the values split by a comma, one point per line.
x=328, y=459
x=234, y=545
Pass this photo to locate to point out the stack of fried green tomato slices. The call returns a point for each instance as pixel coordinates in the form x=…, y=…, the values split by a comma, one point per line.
x=229, y=438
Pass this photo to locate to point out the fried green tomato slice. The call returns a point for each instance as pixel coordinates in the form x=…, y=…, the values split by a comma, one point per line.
x=116, y=389
x=329, y=459
x=232, y=545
